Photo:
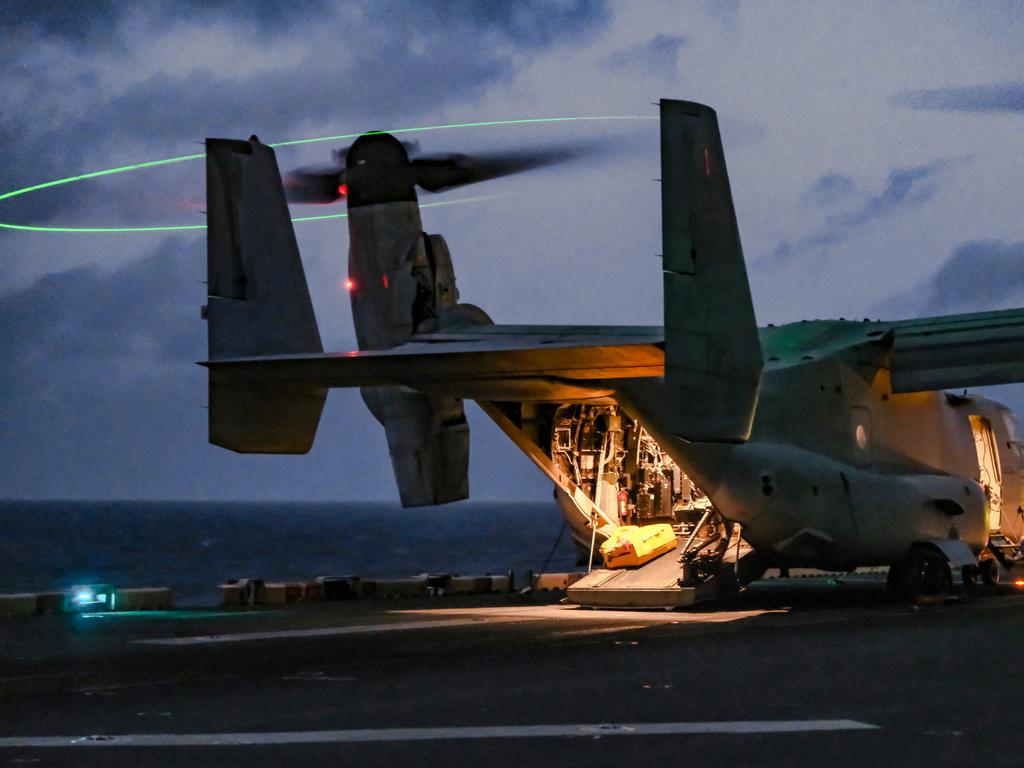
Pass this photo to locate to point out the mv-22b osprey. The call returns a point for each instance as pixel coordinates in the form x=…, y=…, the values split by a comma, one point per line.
x=822, y=444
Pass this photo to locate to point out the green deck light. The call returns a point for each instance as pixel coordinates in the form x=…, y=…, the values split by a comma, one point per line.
x=90, y=597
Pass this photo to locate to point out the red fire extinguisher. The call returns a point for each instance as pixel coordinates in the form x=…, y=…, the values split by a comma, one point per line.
x=623, y=507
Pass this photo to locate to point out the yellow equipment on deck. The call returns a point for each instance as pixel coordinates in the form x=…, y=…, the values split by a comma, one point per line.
x=633, y=545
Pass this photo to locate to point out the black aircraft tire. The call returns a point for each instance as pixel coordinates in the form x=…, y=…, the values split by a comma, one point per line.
x=903, y=582
x=937, y=578
x=989, y=572
x=969, y=574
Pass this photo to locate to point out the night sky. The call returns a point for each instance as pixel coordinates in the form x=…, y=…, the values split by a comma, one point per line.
x=876, y=153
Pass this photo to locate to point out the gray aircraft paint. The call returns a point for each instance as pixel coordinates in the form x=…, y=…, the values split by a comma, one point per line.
x=400, y=278
x=258, y=302
x=852, y=457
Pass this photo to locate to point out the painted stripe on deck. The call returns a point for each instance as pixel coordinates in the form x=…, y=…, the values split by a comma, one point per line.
x=287, y=634
x=435, y=734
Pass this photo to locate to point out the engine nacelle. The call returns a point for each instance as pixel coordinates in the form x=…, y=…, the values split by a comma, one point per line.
x=400, y=279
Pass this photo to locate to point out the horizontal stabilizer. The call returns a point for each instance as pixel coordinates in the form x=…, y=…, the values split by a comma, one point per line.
x=494, y=363
x=250, y=418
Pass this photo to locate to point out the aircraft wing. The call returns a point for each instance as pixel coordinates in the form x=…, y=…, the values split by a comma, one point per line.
x=498, y=362
x=492, y=362
x=958, y=351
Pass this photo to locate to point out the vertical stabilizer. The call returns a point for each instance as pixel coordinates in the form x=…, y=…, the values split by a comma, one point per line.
x=712, y=353
x=258, y=301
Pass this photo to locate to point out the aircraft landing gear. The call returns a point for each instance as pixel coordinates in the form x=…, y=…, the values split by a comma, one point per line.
x=903, y=582
x=922, y=573
x=989, y=571
x=938, y=578
x=970, y=575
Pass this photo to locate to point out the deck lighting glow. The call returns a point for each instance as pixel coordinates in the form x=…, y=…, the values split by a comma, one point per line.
x=91, y=597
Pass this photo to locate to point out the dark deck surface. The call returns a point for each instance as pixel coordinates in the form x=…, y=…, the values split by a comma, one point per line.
x=941, y=684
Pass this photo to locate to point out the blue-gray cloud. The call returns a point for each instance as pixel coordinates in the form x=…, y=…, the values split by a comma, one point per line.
x=102, y=399
x=979, y=275
x=85, y=321
x=726, y=11
x=73, y=22
x=904, y=189
x=96, y=24
x=994, y=97
x=830, y=189
x=100, y=393
x=393, y=60
x=659, y=56
x=531, y=23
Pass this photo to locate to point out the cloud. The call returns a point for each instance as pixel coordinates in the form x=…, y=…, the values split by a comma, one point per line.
x=73, y=100
x=121, y=82
x=74, y=22
x=659, y=56
x=101, y=396
x=532, y=23
x=727, y=12
x=98, y=323
x=101, y=22
x=831, y=189
x=99, y=391
x=102, y=399
x=905, y=189
x=995, y=97
x=980, y=275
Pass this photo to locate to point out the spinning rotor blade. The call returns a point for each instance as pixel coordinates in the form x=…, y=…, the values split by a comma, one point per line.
x=323, y=184
x=435, y=173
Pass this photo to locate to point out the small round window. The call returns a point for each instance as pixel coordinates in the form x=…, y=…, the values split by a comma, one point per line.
x=862, y=437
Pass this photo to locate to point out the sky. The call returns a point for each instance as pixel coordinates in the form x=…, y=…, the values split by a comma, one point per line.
x=874, y=150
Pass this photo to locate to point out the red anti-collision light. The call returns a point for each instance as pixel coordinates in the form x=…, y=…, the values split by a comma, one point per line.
x=350, y=284
x=343, y=189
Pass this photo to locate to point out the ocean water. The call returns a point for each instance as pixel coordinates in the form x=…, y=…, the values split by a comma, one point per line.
x=194, y=546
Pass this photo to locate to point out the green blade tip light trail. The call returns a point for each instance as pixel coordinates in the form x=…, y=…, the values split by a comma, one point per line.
x=291, y=143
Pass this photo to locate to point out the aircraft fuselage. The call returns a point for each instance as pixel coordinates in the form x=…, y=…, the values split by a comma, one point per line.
x=839, y=471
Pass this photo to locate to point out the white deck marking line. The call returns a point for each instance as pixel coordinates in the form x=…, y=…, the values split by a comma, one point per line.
x=601, y=616
x=435, y=734
x=599, y=630
x=359, y=629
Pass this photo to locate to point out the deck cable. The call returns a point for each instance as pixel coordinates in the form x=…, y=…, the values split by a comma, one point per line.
x=554, y=547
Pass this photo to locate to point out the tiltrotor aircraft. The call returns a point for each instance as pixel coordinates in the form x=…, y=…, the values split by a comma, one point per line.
x=822, y=444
